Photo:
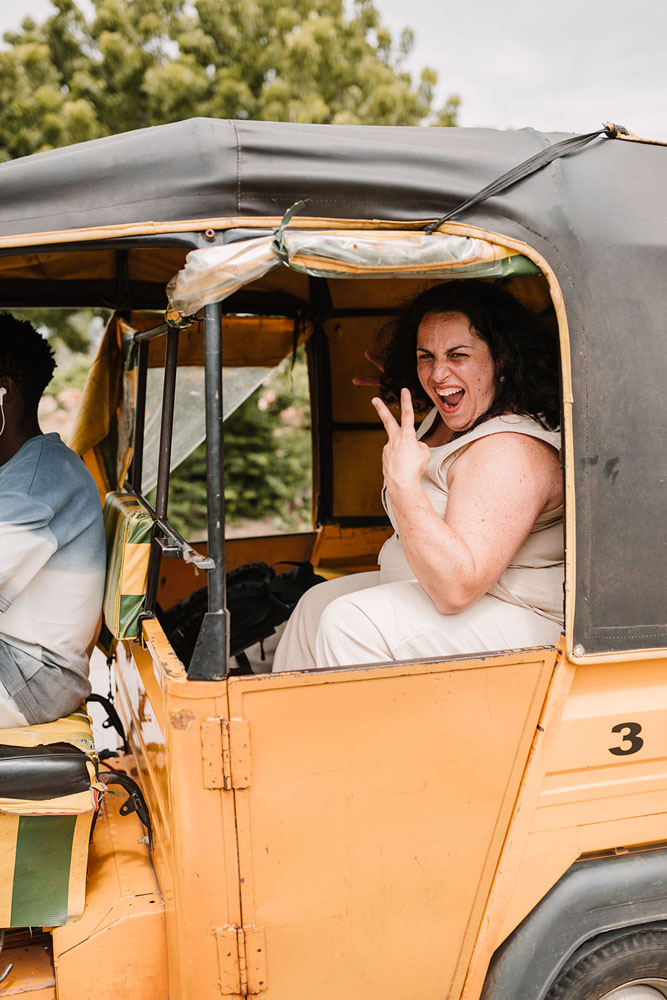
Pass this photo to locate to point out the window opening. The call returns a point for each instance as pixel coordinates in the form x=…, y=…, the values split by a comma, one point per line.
x=190, y=426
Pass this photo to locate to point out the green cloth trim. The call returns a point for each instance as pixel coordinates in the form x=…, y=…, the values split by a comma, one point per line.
x=128, y=616
x=126, y=521
x=40, y=894
x=516, y=266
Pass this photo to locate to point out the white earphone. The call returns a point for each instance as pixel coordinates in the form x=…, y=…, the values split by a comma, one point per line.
x=3, y=393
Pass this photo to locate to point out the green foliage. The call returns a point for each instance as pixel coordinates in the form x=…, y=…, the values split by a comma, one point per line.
x=129, y=65
x=267, y=460
x=187, y=495
x=73, y=329
x=147, y=62
x=70, y=377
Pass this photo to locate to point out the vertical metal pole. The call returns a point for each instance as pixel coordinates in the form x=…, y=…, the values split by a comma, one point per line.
x=162, y=495
x=167, y=424
x=214, y=456
x=210, y=659
x=320, y=300
x=136, y=473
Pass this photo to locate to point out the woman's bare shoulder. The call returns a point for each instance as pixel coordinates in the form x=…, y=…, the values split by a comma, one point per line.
x=509, y=453
x=510, y=445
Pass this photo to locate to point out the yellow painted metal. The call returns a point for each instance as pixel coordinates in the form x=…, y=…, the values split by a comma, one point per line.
x=512, y=882
x=269, y=548
x=255, y=960
x=246, y=341
x=610, y=799
x=120, y=941
x=357, y=456
x=32, y=974
x=195, y=854
x=79, y=865
x=577, y=797
x=348, y=550
x=213, y=754
x=402, y=818
x=379, y=799
x=227, y=939
x=239, y=753
x=9, y=826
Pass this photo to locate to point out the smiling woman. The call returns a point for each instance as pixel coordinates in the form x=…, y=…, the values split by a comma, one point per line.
x=475, y=496
x=456, y=371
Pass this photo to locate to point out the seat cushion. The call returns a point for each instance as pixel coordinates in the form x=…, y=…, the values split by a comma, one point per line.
x=50, y=768
x=48, y=797
x=129, y=528
x=43, y=772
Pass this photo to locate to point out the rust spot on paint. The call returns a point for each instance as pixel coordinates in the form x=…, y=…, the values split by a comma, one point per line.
x=182, y=719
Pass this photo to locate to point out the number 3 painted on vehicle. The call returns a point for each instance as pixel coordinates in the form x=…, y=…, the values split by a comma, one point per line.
x=630, y=732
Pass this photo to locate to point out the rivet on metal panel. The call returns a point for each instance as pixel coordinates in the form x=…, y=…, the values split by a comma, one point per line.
x=255, y=957
x=578, y=650
x=239, y=741
x=212, y=753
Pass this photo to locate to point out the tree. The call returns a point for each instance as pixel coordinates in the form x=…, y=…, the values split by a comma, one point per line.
x=147, y=62
x=267, y=458
x=135, y=63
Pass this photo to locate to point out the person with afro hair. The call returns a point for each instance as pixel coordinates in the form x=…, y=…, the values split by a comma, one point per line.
x=52, y=550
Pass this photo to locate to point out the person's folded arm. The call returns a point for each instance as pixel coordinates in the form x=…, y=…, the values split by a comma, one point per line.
x=26, y=542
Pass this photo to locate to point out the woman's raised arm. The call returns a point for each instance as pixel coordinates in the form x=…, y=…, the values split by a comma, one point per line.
x=497, y=487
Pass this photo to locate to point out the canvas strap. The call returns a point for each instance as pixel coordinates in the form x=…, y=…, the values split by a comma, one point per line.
x=528, y=167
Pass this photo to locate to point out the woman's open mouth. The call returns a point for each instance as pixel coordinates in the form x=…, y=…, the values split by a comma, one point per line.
x=450, y=398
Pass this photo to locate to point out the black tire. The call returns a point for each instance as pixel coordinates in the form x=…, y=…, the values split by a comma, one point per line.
x=630, y=968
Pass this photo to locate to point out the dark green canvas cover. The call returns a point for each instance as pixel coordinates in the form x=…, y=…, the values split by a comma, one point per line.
x=598, y=216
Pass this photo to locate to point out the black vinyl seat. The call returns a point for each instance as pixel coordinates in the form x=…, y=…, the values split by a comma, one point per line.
x=42, y=772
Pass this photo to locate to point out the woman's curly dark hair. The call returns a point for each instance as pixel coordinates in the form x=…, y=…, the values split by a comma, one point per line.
x=525, y=354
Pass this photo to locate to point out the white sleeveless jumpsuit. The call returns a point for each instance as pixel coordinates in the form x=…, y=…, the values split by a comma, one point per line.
x=386, y=615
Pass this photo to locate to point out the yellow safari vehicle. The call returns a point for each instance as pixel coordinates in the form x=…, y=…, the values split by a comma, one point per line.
x=491, y=827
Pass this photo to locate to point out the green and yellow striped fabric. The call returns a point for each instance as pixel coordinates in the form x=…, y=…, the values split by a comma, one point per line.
x=43, y=861
x=129, y=529
x=44, y=843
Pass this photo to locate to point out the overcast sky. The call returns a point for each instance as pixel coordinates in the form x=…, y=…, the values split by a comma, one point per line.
x=557, y=65
x=565, y=65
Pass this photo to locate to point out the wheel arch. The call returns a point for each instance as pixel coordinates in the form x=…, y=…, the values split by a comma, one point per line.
x=595, y=900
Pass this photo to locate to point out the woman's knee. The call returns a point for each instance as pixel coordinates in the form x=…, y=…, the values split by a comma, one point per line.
x=339, y=614
x=347, y=635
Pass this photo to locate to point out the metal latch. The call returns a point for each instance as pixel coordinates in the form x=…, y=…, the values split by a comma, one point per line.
x=226, y=753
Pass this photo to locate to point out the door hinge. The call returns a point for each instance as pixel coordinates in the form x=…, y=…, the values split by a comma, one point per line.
x=241, y=957
x=225, y=751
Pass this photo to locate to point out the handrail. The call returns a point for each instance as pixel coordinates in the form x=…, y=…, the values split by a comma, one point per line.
x=210, y=659
x=156, y=331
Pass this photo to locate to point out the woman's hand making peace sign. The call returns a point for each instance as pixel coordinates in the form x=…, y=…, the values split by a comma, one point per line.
x=404, y=458
x=497, y=487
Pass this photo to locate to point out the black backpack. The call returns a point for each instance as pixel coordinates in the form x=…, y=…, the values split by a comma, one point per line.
x=258, y=600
